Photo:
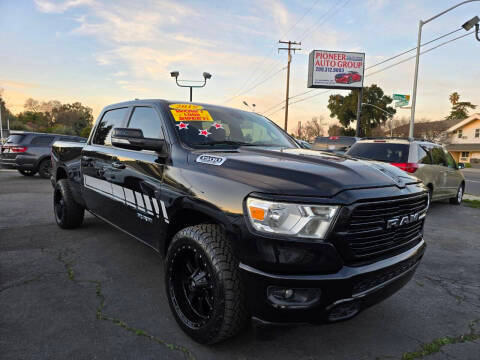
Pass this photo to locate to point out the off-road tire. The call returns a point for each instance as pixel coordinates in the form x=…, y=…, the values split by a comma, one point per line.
x=71, y=214
x=457, y=200
x=44, y=168
x=27, y=172
x=229, y=313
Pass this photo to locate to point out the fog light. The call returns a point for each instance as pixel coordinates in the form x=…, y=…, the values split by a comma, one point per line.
x=292, y=298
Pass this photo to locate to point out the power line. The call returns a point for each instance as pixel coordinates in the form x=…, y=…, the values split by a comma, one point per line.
x=260, y=83
x=423, y=52
x=412, y=49
x=331, y=12
x=252, y=78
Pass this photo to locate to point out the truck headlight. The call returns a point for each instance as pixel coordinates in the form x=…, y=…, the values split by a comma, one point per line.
x=299, y=220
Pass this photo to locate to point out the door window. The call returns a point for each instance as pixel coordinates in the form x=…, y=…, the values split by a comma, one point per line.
x=438, y=156
x=110, y=120
x=147, y=120
x=450, y=162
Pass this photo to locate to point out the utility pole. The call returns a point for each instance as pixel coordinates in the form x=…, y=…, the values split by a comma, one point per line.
x=290, y=43
x=1, y=125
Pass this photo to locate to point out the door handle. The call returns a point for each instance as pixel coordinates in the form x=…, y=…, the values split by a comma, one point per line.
x=118, y=165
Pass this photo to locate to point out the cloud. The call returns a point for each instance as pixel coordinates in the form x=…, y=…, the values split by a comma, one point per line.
x=58, y=7
x=16, y=84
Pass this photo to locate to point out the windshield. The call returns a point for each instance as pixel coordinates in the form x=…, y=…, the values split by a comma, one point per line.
x=389, y=152
x=201, y=126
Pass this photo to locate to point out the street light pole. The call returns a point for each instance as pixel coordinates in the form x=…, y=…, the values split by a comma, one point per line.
x=417, y=60
x=206, y=76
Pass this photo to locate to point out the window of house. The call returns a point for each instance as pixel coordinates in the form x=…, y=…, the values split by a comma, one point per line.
x=460, y=134
x=477, y=133
x=465, y=153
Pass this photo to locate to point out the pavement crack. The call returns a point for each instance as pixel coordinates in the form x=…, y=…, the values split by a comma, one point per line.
x=445, y=286
x=68, y=264
x=436, y=345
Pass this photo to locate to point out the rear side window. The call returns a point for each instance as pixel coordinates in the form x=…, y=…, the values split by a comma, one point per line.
x=110, y=120
x=147, y=120
x=42, y=140
x=423, y=156
x=438, y=157
x=388, y=152
x=15, y=139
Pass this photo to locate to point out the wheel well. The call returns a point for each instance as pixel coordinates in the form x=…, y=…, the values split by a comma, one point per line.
x=185, y=218
x=61, y=174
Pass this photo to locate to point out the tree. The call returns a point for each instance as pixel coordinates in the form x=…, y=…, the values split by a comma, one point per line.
x=459, y=108
x=335, y=130
x=345, y=108
x=74, y=117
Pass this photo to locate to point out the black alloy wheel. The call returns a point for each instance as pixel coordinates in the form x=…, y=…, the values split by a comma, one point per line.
x=191, y=286
x=203, y=284
x=58, y=206
x=68, y=214
x=45, y=169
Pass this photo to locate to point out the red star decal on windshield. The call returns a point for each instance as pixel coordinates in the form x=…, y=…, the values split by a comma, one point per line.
x=218, y=126
x=182, y=125
x=204, y=133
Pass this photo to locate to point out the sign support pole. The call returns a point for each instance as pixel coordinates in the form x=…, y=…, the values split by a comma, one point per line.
x=359, y=111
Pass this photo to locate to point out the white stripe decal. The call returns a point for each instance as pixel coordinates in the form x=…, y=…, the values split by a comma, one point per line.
x=126, y=196
x=162, y=204
x=129, y=196
x=117, y=191
x=155, y=205
x=139, y=198
x=148, y=204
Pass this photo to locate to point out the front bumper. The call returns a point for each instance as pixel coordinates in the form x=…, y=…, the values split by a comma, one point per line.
x=343, y=294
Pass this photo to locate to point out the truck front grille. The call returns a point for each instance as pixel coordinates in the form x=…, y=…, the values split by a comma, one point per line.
x=363, y=233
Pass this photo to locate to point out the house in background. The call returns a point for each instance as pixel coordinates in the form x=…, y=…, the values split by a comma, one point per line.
x=430, y=130
x=464, y=140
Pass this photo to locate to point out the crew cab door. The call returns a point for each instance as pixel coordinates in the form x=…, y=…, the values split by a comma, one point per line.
x=138, y=175
x=440, y=169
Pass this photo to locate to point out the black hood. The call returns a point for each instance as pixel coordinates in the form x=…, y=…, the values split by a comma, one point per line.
x=300, y=172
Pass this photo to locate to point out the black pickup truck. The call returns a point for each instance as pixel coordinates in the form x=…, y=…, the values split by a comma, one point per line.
x=250, y=224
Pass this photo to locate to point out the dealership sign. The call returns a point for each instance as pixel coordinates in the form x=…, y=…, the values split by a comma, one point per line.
x=335, y=69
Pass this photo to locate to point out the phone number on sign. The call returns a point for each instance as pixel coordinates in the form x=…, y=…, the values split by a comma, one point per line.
x=329, y=69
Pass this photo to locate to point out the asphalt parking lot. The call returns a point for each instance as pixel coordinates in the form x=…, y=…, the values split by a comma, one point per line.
x=95, y=293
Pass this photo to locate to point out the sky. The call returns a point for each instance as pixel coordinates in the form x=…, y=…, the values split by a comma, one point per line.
x=100, y=52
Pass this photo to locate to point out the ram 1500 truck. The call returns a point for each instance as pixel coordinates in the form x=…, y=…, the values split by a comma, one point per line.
x=251, y=226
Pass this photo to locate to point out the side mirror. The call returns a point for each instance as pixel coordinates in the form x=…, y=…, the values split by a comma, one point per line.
x=133, y=139
x=461, y=165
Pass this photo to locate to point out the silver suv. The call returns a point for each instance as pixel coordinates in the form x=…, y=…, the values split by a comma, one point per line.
x=428, y=161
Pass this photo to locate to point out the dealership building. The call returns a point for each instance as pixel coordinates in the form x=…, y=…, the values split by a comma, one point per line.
x=464, y=141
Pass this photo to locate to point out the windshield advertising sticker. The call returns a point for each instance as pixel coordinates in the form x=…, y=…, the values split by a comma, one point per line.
x=335, y=69
x=189, y=112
